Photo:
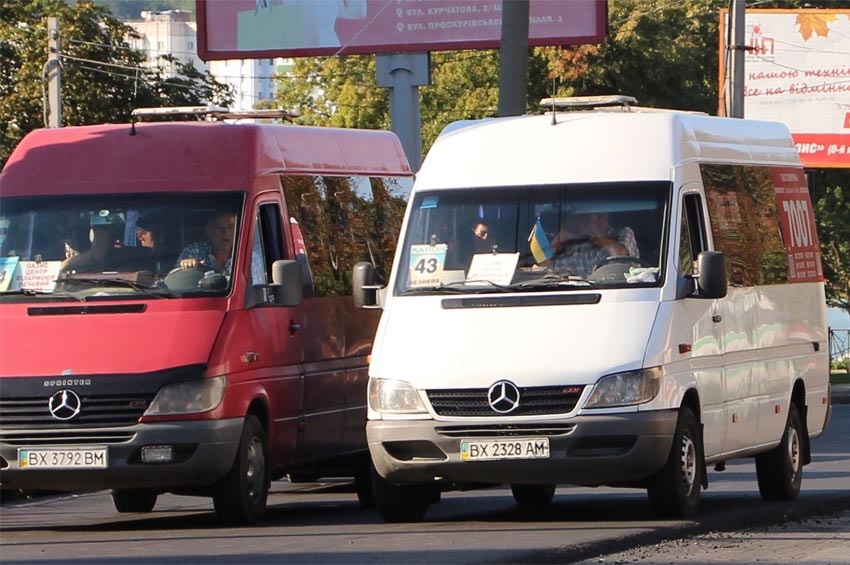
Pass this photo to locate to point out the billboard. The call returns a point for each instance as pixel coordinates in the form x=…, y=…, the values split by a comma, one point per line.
x=250, y=29
x=797, y=71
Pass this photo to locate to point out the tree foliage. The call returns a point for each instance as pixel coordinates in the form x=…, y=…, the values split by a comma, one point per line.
x=102, y=77
x=832, y=212
x=343, y=91
x=663, y=55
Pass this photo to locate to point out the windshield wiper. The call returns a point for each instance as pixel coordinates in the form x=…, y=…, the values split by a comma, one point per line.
x=33, y=292
x=150, y=290
x=553, y=281
x=461, y=287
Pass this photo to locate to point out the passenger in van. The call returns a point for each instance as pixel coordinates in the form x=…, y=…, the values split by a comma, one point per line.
x=216, y=252
x=587, y=241
x=151, y=234
x=483, y=240
x=98, y=256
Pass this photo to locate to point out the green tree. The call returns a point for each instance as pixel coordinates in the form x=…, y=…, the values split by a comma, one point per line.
x=832, y=212
x=343, y=91
x=663, y=55
x=102, y=77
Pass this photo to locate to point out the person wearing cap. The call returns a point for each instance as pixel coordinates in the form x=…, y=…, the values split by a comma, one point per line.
x=96, y=257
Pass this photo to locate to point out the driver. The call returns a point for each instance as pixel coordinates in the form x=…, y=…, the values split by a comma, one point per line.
x=215, y=253
x=589, y=239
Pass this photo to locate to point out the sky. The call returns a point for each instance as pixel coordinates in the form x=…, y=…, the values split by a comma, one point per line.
x=838, y=319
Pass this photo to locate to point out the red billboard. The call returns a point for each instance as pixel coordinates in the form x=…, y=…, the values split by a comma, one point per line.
x=252, y=29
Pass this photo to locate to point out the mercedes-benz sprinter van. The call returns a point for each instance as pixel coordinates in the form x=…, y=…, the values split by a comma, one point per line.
x=177, y=314
x=616, y=296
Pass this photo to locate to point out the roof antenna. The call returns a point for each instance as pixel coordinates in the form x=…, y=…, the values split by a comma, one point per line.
x=132, y=126
x=554, y=121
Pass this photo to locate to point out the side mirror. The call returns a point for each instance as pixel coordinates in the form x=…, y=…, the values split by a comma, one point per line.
x=712, y=280
x=365, y=291
x=288, y=282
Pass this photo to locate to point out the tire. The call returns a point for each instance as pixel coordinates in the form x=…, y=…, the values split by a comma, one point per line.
x=240, y=497
x=533, y=495
x=400, y=503
x=674, y=491
x=780, y=470
x=363, y=483
x=133, y=499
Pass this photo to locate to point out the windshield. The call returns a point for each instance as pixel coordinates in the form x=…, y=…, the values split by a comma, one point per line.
x=109, y=245
x=535, y=238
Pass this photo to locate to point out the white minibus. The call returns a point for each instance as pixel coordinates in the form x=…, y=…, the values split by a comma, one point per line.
x=609, y=296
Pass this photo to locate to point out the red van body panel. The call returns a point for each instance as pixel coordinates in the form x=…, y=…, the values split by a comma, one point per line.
x=157, y=334
x=200, y=156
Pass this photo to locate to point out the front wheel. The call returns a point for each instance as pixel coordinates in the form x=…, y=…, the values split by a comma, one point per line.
x=533, y=495
x=240, y=497
x=401, y=503
x=674, y=491
x=780, y=470
x=363, y=483
x=133, y=499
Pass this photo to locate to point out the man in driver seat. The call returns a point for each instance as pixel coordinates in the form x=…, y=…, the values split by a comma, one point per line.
x=587, y=240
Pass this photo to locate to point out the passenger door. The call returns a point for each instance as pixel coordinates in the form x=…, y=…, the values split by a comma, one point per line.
x=278, y=328
x=704, y=316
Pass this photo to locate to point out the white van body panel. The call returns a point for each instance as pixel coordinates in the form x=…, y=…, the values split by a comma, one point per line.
x=480, y=346
x=585, y=147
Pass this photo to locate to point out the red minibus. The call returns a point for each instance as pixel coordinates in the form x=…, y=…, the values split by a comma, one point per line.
x=176, y=311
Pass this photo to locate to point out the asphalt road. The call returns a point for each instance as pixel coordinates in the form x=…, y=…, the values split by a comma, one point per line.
x=324, y=524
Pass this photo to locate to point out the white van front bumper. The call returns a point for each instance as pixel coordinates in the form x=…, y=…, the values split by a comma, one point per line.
x=584, y=450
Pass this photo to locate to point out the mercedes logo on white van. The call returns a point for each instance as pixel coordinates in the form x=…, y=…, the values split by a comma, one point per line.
x=503, y=397
x=64, y=404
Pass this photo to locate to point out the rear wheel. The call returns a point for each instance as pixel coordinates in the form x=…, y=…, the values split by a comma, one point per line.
x=533, y=495
x=674, y=491
x=780, y=470
x=240, y=497
x=401, y=503
x=133, y=499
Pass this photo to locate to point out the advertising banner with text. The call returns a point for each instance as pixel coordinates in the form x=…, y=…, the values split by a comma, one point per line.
x=797, y=71
x=245, y=29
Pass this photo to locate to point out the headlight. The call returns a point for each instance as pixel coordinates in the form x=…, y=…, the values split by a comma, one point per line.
x=395, y=397
x=625, y=389
x=188, y=397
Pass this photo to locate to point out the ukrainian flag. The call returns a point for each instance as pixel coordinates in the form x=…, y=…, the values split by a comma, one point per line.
x=539, y=243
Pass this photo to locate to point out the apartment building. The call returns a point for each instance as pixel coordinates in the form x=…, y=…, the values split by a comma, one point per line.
x=173, y=32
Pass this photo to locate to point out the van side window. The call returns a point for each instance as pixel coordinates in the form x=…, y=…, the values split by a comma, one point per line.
x=345, y=220
x=267, y=245
x=745, y=223
x=692, y=237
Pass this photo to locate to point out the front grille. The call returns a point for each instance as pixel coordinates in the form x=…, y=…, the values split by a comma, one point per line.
x=506, y=430
x=533, y=401
x=95, y=410
x=65, y=437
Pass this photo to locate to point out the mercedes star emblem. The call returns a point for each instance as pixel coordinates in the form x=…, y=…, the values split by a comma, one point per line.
x=64, y=404
x=503, y=397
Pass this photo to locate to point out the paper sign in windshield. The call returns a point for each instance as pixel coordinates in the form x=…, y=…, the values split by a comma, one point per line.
x=495, y=268
x=426, y=264
x=38, y=276
x=8, y=266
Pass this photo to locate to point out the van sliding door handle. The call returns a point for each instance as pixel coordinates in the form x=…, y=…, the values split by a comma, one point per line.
x=717, y=318
x=294, y=327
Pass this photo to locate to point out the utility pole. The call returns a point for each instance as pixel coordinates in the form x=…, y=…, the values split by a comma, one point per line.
x=403, y=74
x=54, y=75
x=735, y=86
x=513, y=58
